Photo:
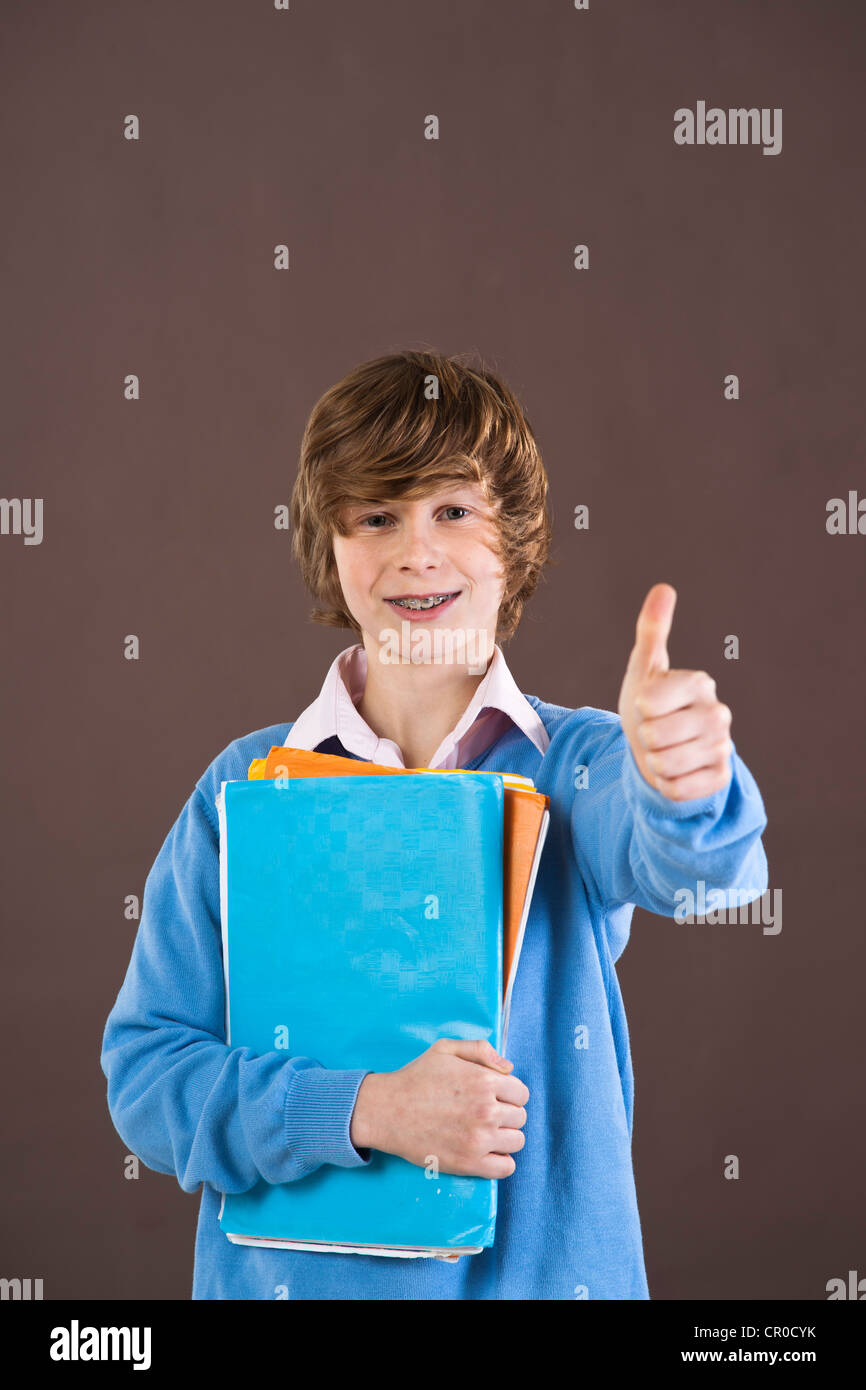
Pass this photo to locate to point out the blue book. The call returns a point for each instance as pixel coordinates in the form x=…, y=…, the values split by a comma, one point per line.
x=361, y=921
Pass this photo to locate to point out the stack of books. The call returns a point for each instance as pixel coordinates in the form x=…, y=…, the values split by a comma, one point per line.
x=367, y=911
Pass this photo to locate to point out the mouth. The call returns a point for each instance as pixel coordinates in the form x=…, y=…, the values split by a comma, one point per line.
x=416, y=605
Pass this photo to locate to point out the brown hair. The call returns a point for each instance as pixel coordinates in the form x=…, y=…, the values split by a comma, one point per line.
x=377, y=434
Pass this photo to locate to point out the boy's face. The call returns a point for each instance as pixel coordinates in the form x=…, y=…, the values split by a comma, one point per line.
x=437, y=545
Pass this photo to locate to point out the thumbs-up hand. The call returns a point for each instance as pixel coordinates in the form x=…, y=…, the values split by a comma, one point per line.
x=676, y=728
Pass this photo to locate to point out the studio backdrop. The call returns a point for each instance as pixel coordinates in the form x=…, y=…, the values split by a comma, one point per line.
x=647, y=218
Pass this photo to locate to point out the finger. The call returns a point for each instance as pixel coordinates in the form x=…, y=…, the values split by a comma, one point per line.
x=509, y=1141
x=473, y=1050
x=684, y=758
x=511, y=1116
x=512, y=1091
x=493, y=1166
x=695, y=721
x=697, y=784
x=650, y=651
x=667, y=691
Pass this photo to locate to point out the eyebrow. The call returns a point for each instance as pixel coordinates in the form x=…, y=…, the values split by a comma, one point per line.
x=396, y=501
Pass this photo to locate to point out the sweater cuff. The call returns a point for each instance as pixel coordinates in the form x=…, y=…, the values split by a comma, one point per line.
x=642, y=796
x=318, y=1111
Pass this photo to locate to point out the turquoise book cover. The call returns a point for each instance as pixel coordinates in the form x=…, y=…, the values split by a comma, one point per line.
x=361, y=921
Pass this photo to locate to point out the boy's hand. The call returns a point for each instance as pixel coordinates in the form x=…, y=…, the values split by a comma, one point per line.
x=676, y=728
x=456, y=1103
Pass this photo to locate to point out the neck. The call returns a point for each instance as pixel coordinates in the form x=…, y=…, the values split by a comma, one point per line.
x=415, y=706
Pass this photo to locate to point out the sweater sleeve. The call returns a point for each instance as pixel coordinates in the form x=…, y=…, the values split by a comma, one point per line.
x=634, y=845
x=182, y=1099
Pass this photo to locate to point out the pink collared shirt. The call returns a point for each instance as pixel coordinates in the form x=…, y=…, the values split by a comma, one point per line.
x=495, y=706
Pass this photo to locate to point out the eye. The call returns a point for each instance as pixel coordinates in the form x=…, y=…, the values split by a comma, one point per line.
x=456, y=508
x=376, y=516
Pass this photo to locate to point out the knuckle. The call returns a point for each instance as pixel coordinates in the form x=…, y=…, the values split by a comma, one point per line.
x=720, y=719
x=482, y=1089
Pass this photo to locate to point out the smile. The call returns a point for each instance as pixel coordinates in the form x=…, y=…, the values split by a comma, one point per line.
x=422, y=603
x=429, y=601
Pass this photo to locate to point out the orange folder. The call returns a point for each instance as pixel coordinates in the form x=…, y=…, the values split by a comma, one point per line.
x=525, y=820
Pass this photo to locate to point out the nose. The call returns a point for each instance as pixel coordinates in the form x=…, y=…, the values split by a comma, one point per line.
x=418, y=547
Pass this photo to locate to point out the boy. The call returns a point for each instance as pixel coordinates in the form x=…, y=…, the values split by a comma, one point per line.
x=421, y=505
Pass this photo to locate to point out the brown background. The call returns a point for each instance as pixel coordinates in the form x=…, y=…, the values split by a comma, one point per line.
x=156, y=257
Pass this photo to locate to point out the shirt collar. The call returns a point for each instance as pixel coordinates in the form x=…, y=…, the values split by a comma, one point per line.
x=334, y=712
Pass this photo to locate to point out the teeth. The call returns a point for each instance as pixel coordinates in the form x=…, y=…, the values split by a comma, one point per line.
x=421, y=602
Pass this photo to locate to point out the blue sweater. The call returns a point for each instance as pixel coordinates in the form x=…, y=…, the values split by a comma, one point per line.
x=219, y=1117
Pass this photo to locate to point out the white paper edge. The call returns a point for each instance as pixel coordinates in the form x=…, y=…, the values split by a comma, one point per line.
x=407, y=1254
